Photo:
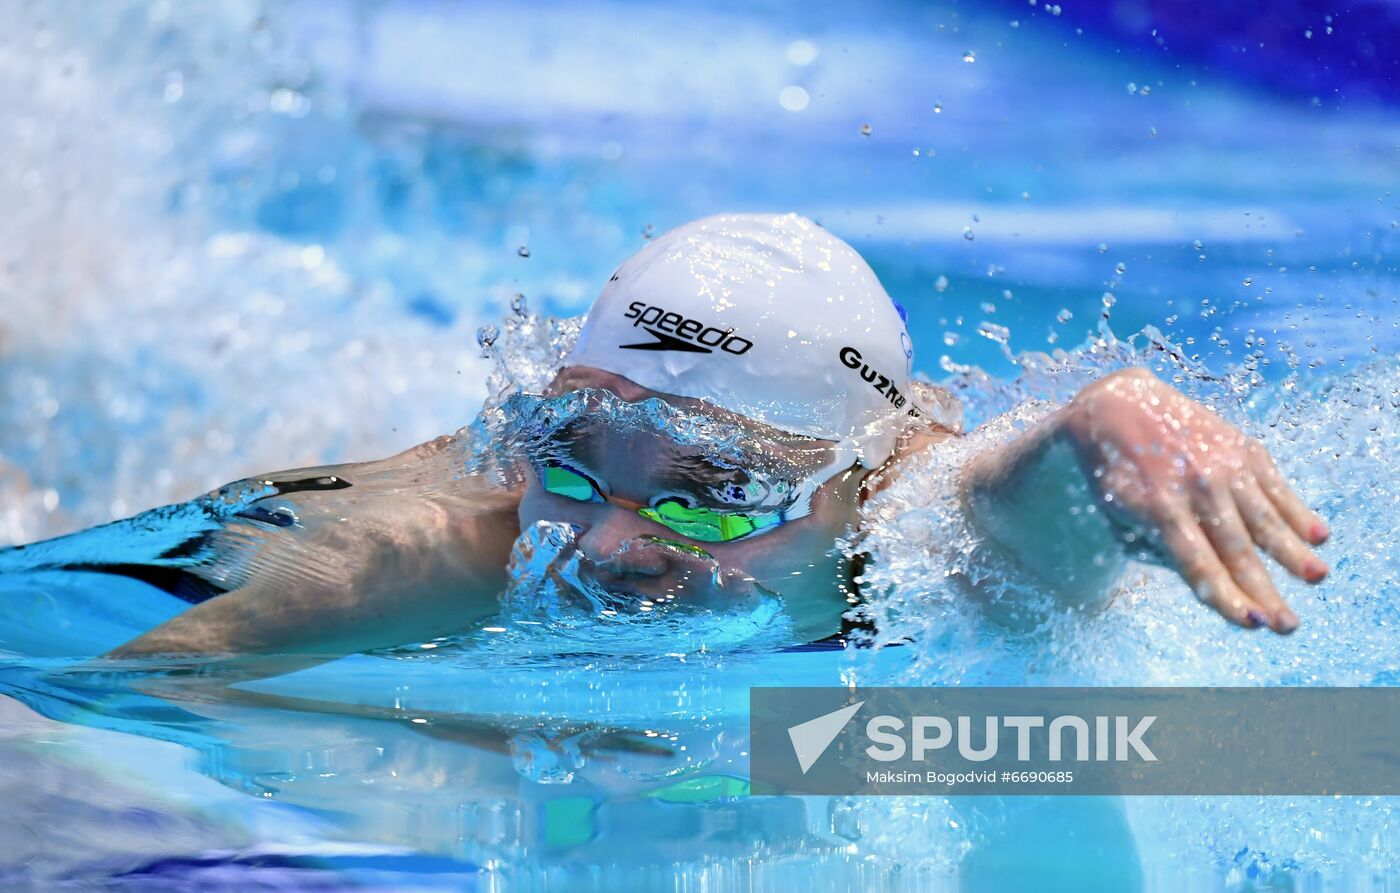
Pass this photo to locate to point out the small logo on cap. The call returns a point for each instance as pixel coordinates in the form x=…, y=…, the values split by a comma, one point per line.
x=665, y=342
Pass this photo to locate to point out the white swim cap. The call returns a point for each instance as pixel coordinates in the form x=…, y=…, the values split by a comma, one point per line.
x=769, y=316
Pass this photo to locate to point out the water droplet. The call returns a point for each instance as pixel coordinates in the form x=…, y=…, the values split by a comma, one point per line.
x=1120, y=268
x=518, y=305
x=1197, y=245
x=1144, y=90
x=793, y=98
x=940, y=284
x=1064, y=315
x=1103, y=249
x=1248, y=281
x=865, y=130
x=801, y=52
x=938, y=108
x=968, y=234
x=994, y=332
x=1108, y=299
x=969, y=56
x=1132, y=87
x=951, y=338
x=523, y=251
x=486, y=337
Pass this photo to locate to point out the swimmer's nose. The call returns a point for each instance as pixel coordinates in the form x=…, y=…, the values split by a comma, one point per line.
x=614, y=542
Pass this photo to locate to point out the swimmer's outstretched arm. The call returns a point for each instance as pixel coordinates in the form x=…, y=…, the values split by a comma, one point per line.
x=1163, y=474
x=402, y=550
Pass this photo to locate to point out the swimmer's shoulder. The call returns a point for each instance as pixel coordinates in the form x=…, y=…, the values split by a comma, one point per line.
x=940, y=418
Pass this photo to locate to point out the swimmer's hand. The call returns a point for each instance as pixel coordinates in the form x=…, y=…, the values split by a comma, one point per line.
x=1171, y=478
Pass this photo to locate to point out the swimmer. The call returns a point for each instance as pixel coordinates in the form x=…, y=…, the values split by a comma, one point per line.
x=771, y=324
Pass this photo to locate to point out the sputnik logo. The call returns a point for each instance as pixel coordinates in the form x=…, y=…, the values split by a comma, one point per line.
x=810, y=739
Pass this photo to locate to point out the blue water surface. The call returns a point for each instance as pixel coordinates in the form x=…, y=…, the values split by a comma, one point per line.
x=243, y=237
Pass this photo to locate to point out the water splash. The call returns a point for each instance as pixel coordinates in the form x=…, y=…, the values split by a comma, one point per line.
x=556, y=605
x=1333, y=438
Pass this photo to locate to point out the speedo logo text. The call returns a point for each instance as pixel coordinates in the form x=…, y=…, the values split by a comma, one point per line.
x=674, y=331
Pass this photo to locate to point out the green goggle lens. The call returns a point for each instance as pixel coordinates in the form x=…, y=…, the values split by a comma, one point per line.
x=566, y=482
x=701, y=524
x=705, y=525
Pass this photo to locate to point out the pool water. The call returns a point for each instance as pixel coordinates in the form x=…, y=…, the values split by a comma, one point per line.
x=246, y=238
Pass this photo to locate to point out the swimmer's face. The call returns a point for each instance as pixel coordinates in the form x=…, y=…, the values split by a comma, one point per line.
x=660, y=521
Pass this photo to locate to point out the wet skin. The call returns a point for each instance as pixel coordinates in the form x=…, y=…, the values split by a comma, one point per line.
x=796, y=561
x=1169, y=476
x=1162, y=472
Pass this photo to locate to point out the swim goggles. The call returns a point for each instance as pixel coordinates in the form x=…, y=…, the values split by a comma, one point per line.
x=697, y=522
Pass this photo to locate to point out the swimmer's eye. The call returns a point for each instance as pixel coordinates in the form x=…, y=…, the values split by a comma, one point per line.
x=563, y=481
x=708, y=525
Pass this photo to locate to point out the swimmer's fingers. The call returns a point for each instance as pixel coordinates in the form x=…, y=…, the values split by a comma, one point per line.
x=1235, y=546
x=1201, y=567
x=1304, y=521
x=1275, y=535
